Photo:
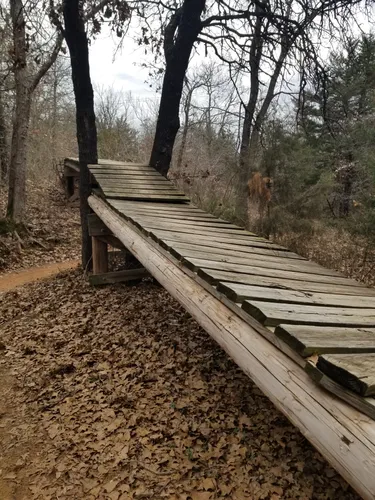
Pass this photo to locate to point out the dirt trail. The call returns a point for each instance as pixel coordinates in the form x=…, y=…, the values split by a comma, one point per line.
x=12, y=280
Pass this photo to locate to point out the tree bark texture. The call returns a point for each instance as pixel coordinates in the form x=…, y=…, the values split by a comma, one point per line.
x=177, y=48
x=25, y=84
x=185, y=129
x=4, y=152
x=76, y=39
x=17, y=167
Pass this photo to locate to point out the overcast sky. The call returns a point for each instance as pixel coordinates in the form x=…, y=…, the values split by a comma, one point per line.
x=123, y=71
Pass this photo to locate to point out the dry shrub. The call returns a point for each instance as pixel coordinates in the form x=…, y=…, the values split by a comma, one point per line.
x=334, y=248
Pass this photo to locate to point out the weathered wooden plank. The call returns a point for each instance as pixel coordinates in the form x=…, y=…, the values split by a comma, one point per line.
x=364, y=405
x=114, y=163
x=239, y=293
x=214, y=276
x=144, y=196
x=196, y=262
x=309, y=340
x=192, y=229
x=231, y=250
x=147, y=220
x=354, y=371
x=119, y=184
x=174, y=212
x=72, y=163
x=125, y=173
x=125, y=176
x=124, y=276
x=193, y=218
x=217, y=240
x=121, y=170
x=161, y=207
x=272, y=314
x=345, y=436
x=174, y=216
x=265, y=271
x=107, y=161
x=199, y=229
x=259, y=261
x=183, y=219
x=119, y=181
x=118, y=188
x=135, y=184
x=142, y=190
x=71, y=171
x=122, y=167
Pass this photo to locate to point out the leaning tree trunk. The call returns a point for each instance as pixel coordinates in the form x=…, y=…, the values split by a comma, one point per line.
x=25, y=84
x=17, y=167
x=177, y=49
x=4, y=159
x=185, y=129
x=18, y=157
x=76, y=39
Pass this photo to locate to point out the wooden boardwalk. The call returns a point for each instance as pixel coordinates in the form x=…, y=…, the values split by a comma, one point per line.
x=319, y=322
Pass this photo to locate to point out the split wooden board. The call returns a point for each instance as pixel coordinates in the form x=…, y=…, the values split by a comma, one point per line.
x=310, y=340
x=272, y=314
x=238, y=293
x=213, y=239
x=365, y=405
x=204, y=267
x=356, y=372
x=214, y=276
x=198, y=260
x=209, y=251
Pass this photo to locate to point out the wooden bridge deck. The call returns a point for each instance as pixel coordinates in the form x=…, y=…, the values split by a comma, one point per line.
x=297, y=328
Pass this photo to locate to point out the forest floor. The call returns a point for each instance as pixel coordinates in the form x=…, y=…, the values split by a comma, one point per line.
x=116, y=393
x=51, y=233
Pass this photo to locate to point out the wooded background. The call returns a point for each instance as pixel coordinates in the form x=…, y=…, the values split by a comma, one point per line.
x=266, y=115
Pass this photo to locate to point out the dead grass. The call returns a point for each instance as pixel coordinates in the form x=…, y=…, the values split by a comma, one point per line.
x=335, y=249
x=118, y=394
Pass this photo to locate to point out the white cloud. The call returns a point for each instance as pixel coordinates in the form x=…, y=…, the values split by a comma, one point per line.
x=122, y=69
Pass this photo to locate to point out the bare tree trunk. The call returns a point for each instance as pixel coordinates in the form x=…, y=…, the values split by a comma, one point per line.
x=185, y=129
x=54, y=117
x=4, y=153
x=17, y=167
x=186, y=22
x=76, y=38
x=25, y=85
x=256, y=51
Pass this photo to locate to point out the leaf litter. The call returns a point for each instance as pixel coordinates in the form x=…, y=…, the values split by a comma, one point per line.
x=51, y=233
x=116, y=393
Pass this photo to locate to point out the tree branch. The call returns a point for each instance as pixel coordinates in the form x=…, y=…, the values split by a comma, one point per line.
x=48, y=63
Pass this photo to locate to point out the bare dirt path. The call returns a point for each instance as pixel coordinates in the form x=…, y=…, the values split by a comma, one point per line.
x=12, y=280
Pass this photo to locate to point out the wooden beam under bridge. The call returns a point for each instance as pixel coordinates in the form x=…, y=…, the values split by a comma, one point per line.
x=344, y=436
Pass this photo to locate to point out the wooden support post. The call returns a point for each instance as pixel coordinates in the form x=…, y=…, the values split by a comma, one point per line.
x=69, y=186
x=99, y=256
